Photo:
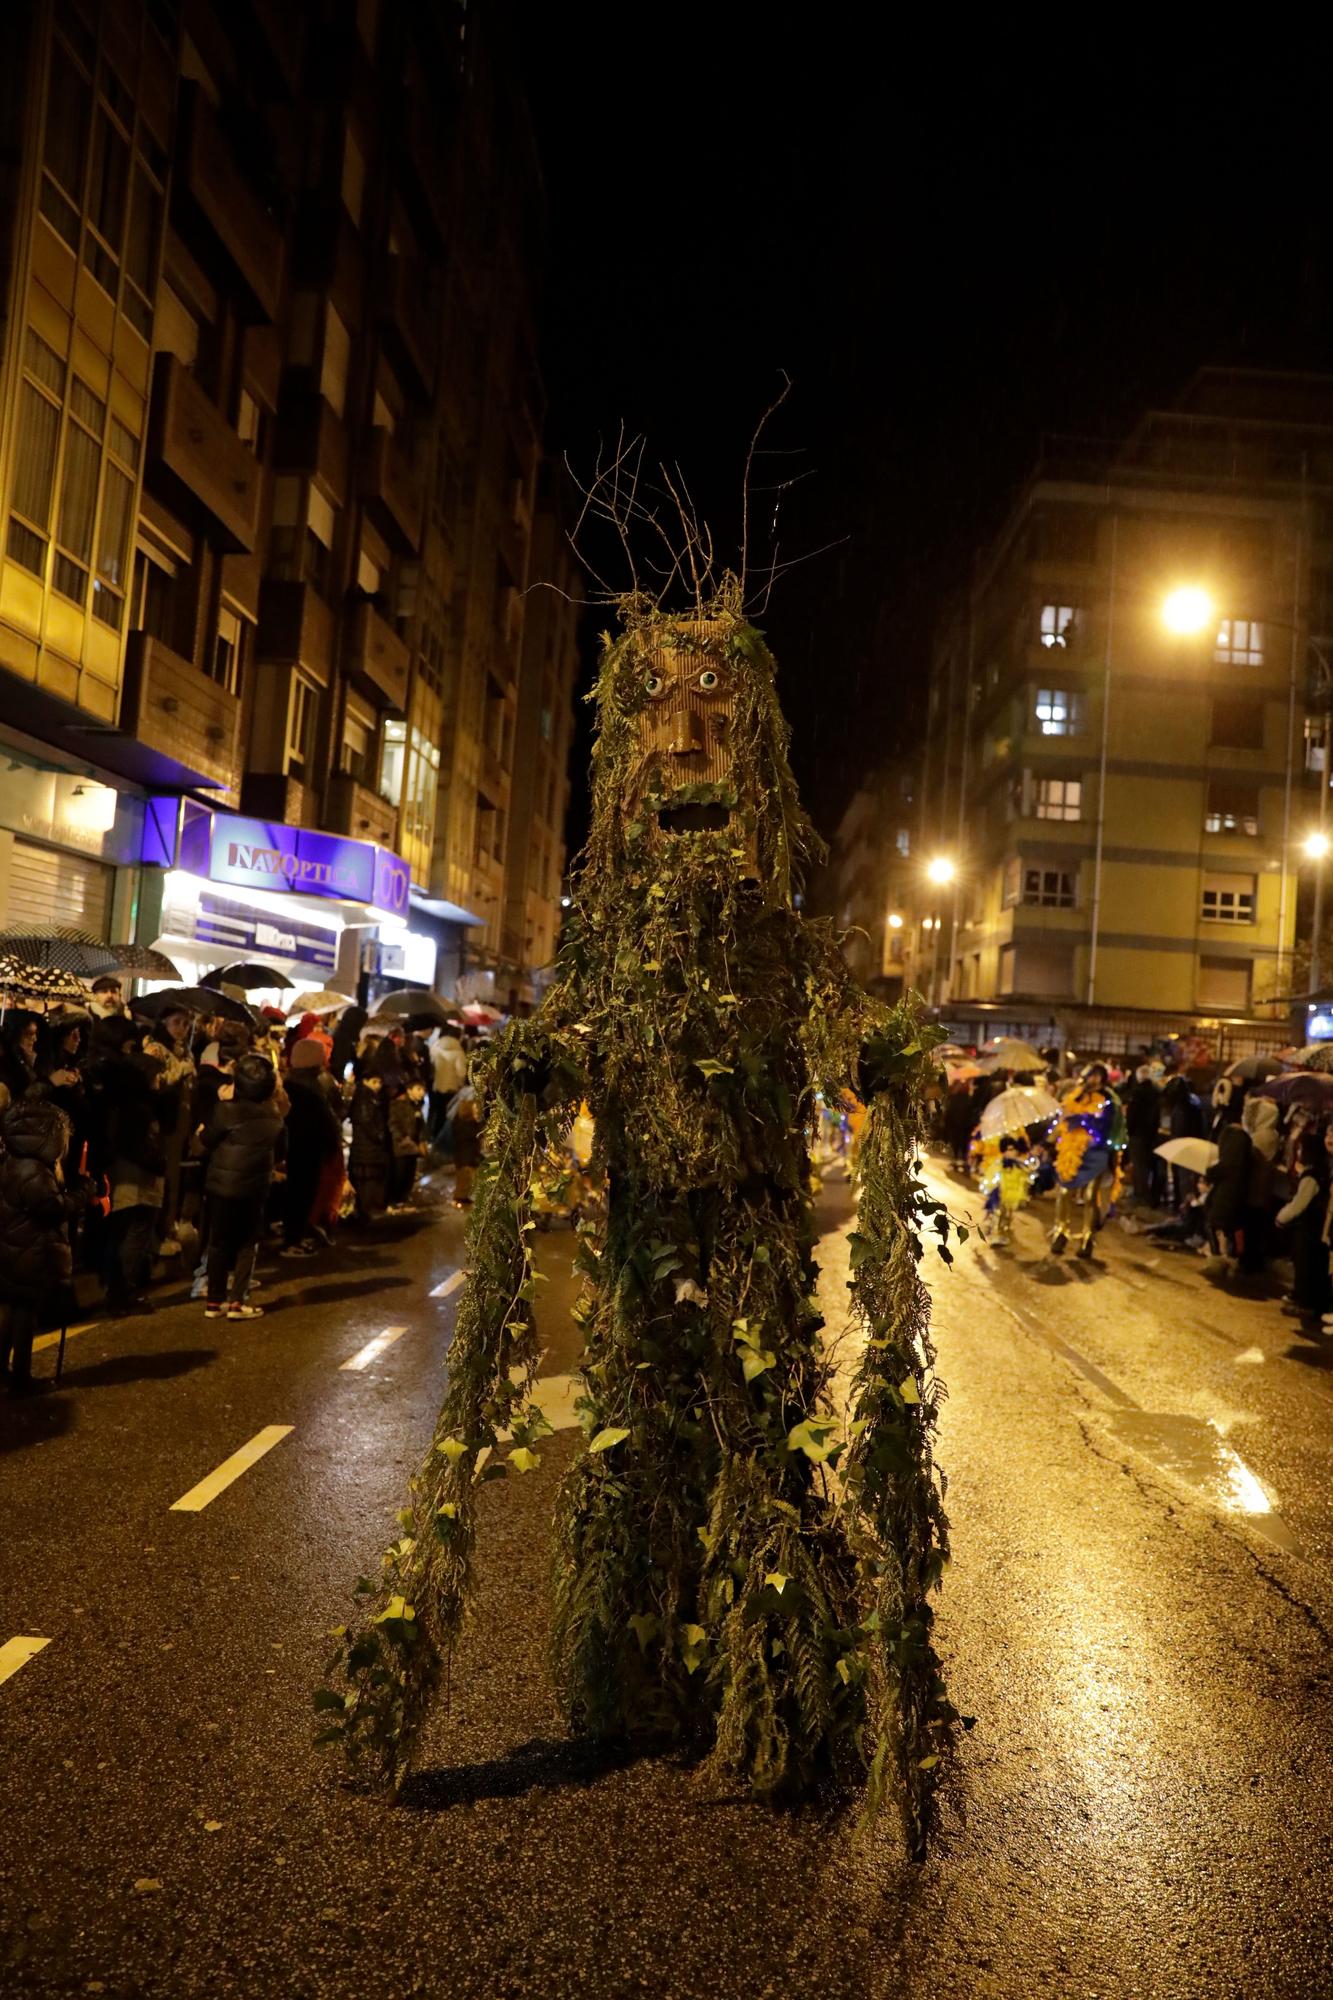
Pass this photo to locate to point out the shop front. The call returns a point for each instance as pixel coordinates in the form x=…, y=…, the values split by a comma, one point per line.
x=320, y=908
x=69, y=846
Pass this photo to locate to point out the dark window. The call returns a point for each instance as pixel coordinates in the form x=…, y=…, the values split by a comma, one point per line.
x=1232, y=809
x=68, y=109
x=108, y=186
x=1048, y=888
x=1238, y=724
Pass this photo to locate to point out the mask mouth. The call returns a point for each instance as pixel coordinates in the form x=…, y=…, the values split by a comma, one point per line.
x=694, y=818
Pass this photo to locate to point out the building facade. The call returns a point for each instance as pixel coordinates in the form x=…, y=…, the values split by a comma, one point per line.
x=271, y=437
x=875, y=886
x=1124, y=804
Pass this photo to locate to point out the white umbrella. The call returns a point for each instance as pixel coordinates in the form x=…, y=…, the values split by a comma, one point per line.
x=1015, y=1109
x=1196, y=1156
x=1007, y=1053
x=323, y=1002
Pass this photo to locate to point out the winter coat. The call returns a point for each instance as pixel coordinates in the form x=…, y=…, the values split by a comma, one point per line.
x=1143, y=1112
x=1184, y=1113
x=243, y=1141
x=449, y=1066
x=407, y=1127
x=35, y=1257
x=960, y=1116
x=314, y=1132
x=1261, y=1122
x=465, y=1112
x=1229, y=1178
x=369, y=1153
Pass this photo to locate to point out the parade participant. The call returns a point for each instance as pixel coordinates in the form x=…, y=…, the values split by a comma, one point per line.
x=1087, y=1139
x=707, y=1575
x=1005, y=1184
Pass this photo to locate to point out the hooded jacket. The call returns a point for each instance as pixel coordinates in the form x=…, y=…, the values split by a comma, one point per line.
x=35, y=1257
x=369, y=1153
x=244, y=1137
x=1261, y=1122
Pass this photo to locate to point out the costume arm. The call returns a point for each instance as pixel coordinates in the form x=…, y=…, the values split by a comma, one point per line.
x=387, y=1668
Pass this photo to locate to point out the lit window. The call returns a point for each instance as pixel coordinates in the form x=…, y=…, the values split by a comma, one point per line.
x=1013, y=881
x=1060, y=798
x=1059, y=713
x=393, y=755
x=1228, y=899
x=1057, y=624
x=1048, y=888
x=300, y=727
x=903, y=841
x=227, y=652
x=1240, y=642
x=1232, y=809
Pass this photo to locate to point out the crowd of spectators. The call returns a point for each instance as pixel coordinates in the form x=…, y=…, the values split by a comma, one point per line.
x=133, y=1134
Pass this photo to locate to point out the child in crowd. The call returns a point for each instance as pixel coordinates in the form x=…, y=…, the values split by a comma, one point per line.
x=35, y=1210
x=407, y=1133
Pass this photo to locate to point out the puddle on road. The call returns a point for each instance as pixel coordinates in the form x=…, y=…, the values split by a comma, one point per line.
x=1192, y=1450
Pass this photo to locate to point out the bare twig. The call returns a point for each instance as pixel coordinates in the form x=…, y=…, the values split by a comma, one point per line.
x=777, y=402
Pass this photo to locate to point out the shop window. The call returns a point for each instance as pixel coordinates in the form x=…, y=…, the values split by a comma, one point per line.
x=1057, y=624
x=301, y=709
x=1227, y=899
x=1048, y=888
x=1224, y=983
x=1237, y=724
x=1240, y=643
x=1059, y=798
x=1231, y=809
x=393, y=756
x=1058, y=712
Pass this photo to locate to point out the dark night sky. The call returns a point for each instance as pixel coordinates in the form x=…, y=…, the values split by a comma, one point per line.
x=951, y=244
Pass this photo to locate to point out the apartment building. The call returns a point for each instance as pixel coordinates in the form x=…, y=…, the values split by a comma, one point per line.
x=272, y=419
x=1123, y=802
x=546, y=699
x=875, y=887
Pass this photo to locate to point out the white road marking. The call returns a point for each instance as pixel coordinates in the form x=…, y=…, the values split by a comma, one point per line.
x=447, y=1285
x=16, y=1653
x=365, y=1355
x=231, y=1468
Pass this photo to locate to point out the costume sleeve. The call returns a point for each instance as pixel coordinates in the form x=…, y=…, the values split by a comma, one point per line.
x=388, y=1667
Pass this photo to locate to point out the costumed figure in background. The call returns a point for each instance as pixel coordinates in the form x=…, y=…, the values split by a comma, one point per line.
x=1006, y=1183
x=714, y=1584
x=1088, y=1138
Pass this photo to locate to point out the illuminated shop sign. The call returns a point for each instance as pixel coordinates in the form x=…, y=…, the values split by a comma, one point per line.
x=259, y=854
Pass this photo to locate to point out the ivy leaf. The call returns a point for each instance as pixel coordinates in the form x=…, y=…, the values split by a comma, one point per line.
x=652, y=965
x=693, y=1645
x=908, y=1390
x=927, y=1763
x=397, y=1610
x=523, y=1460
x=644, y=1626
x=688, y=1293
x=453, y=1449
x=709, y=1066
x=814, y=1436
x=776, y=1580
x=608, y=1437
x=757, y=1361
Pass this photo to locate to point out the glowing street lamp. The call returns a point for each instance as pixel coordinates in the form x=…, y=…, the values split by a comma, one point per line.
x=1188, y=611
x=940, y=870
x=1317, y=846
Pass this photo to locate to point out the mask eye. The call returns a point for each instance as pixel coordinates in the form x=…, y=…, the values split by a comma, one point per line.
x=708, y=680
x=653, y=684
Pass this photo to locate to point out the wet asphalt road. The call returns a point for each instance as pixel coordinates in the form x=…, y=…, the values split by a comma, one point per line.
x=1137, y=1612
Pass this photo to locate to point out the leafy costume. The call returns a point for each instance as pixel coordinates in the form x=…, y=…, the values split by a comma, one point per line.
x=736, y=1568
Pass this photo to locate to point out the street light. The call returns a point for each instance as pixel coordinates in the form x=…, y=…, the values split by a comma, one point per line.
x=1188, y=610
x=940, y=871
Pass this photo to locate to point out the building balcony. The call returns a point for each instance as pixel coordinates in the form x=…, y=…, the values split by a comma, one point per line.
x=311, y=440
x=409, y=331
x=355, y=810
x=296, y=626
x=425, y=173
x=274, y=796
x=392, y=492
x=241, y=578
x=494, y=779
x=207, y=474
x=210, y=182
x=377, y=657
x=167, y=704
x=488, y=879
x=328, y=256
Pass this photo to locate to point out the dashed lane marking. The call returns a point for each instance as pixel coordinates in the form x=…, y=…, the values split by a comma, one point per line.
x=447, y=1285
x=231, y=1468
x=45, y=1340
x=16, y=1653
x=374, y=1348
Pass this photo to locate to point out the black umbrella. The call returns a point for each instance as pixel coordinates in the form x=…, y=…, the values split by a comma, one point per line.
x=410, y=1001
x=1251, y=1069
x=1307, y=1087
x=60, y=948
x=144, y=962
x=192, y=1000
x=38, y=982
x=249, y=977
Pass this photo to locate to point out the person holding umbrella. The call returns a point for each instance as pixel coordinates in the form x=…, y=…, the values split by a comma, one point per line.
x=1305, y=1219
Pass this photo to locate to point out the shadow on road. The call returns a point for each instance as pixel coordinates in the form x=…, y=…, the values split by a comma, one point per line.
x=138, y=1367
x=24, y=1424
x=538, y=1765
x=1314, y=1354
x=330, y=1294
